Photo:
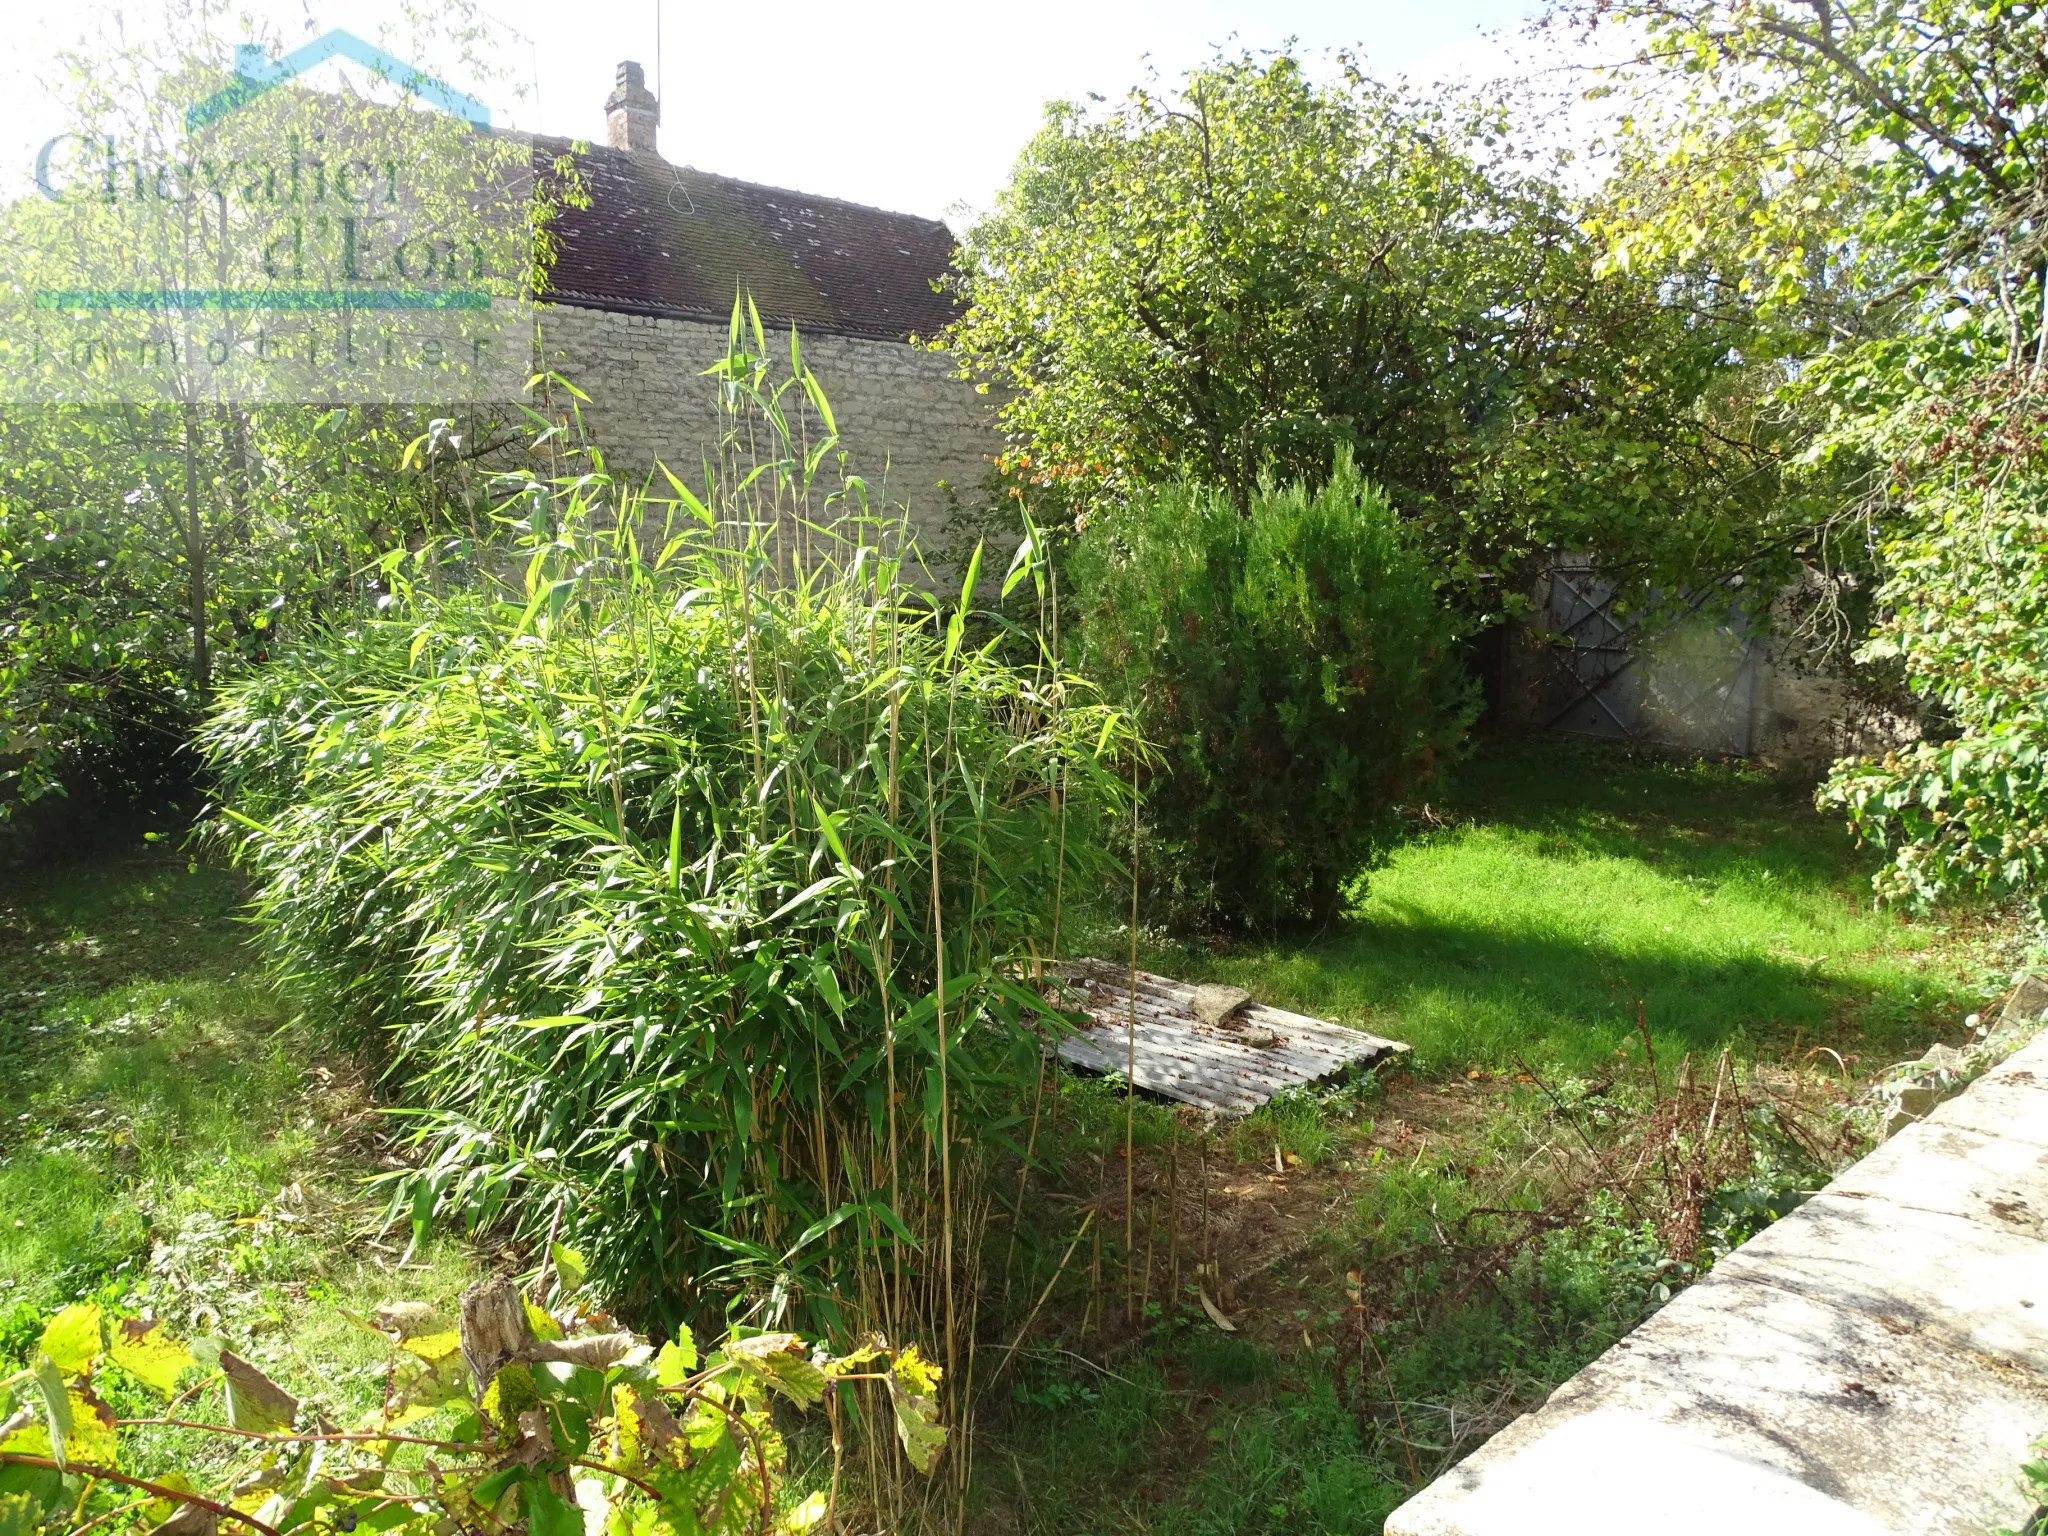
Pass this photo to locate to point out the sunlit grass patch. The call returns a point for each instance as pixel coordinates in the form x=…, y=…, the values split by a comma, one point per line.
x=166, y=1138
x=1571, y=884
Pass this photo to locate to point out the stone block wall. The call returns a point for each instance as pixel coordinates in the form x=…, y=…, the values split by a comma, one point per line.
x=906, y=423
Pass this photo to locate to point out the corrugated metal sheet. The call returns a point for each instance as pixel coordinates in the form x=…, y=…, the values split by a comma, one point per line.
x=1231, y=1068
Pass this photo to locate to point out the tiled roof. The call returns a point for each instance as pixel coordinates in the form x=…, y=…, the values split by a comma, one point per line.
x=666, y=239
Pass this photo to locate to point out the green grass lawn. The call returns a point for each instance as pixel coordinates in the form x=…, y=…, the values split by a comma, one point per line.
x=169, y=1138
x=166, y=1138
x=1568, y=882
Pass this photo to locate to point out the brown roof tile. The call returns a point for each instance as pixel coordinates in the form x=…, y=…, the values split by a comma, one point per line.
x=667, y=239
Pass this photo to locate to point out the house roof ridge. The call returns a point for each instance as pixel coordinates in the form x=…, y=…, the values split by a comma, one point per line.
x=595, y=148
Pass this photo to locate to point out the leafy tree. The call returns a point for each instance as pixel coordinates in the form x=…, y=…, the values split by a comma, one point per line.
x=1966, y=616
x=123, y=596
x=1890, y=154
x=160, y=523
x=1296, y=672
x=1257, y=271
x=1873, y=177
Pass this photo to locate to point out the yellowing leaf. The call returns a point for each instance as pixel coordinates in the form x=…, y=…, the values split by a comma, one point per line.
x=29, y=1440
x=761, y=1346
x=780, y=1358
x=411, y=1413
x=142, y=1348
x=677, y=1359
x=644, y=1428
x=919, y=1376
x=796, y=1378
x=92, y=1439
x=807, y=1514
x=255, y=1402
x=537, y=1318
x=433, y=1347
x=157, y=1511
x=916, y=1426
x=72, y=1338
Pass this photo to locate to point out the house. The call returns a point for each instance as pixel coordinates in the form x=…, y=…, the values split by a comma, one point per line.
x=641, y=294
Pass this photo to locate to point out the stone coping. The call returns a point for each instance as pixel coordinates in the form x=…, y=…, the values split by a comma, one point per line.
x=1876, y=1362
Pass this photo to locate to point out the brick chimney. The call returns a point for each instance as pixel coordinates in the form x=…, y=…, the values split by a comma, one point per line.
x=631, y=113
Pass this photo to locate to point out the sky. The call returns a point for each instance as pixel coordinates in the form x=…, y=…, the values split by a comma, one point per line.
x=904, y=104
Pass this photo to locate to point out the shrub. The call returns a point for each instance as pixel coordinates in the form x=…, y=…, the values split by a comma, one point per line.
x=512, y=1418
x=696, y=894
x=1964, y=613
x=1295, y=670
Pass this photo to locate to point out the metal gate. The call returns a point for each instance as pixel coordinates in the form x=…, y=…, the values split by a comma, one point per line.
x=1683, y=680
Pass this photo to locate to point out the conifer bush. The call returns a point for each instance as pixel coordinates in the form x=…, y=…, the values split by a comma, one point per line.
x=1296, y=673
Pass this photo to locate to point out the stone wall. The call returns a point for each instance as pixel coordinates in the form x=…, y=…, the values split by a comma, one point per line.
x=1874, y=1364
x=906, y=422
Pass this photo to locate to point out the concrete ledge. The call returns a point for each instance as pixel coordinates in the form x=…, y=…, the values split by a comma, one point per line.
x=1875, y=1362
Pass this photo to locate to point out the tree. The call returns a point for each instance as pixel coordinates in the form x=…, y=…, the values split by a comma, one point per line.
x=1256, y=271
x=126, y=589
x=184, y=475
x=1874, y=178
x=1892, y=155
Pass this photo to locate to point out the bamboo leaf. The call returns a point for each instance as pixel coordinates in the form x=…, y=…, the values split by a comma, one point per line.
x=806, y=896
x=829, y=825
x=675, y=849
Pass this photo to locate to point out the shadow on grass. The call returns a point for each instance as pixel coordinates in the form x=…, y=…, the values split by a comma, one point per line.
x=1460, y=994
x=1576, y=881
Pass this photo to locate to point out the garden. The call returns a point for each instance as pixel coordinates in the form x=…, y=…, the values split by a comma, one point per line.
x=530, y=986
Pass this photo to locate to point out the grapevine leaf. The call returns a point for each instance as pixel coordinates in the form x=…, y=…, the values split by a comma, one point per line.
x=779, y=1358
x=916, y=1426
x=808, y=1514
x=677, y=1359
x=142, y=1348
x=433, y=1347
x=549, y=1514
x=72, y=1338
x=56, y=1406
x=92, y=1437
x=796, y=1378
x=491, y=1489
x=255, y=1402
x=543, y=1325
x=158, y=1510
x=570, y=1265
x=918, y=1375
